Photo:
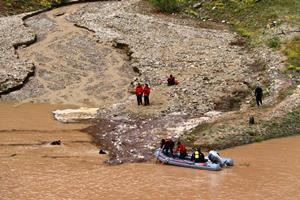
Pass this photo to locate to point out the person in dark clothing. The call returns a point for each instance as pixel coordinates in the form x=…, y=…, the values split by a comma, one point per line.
x=167, y=146
x=198, y=156
x=146, y=95
x=162, y=143
x=181, y=149
x=258, y=95
x=171, y=80
x=139, y=94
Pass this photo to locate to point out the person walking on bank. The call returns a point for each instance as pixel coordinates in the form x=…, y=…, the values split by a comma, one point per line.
x=146, y=95
x=139, y=93
x=258, y=95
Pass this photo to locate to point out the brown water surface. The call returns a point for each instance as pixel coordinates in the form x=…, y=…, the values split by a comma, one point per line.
x=30, y=168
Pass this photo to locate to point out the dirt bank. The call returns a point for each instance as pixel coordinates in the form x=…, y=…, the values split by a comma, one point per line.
x=234, y=129
x=100, y=73
x=93, y=54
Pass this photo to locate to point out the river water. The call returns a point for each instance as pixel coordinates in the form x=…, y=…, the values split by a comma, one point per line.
x=30, y=168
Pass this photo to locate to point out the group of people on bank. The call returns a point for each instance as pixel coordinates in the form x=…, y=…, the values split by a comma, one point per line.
x=144, y=91
x=167, y=147
x=141, y=91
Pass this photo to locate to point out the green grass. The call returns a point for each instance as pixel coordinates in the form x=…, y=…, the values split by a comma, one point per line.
x=11, y=7
x=286, y=92
x=249, y=18
x=292, y=52
x=274, y=43
x=167, y=6
x=287, y=125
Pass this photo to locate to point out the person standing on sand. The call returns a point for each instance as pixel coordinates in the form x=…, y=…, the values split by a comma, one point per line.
x=146, y=95
x=139, y=93
x=258, y=95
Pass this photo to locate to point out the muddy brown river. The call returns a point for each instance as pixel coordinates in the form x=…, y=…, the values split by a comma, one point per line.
x=30, y=168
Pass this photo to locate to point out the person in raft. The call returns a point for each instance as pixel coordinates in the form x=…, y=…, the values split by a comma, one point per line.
x=181, y=150
x=198, y=156
x=139, y=93
x=171, y=80
x=146, y=91
x=167, y=146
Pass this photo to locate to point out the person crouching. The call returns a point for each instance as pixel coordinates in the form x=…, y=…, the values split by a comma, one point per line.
x=167, y=146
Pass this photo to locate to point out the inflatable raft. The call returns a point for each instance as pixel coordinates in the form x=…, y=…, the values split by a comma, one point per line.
x=214, y=163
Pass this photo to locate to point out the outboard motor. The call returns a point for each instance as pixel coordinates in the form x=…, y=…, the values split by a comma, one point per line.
x=215, y=157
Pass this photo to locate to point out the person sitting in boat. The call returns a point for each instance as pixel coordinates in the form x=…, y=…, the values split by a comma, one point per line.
x=181, y=150
x=198, y=156
x=167, y=146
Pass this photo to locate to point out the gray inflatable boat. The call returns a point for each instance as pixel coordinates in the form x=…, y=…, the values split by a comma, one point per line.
x=214, y=165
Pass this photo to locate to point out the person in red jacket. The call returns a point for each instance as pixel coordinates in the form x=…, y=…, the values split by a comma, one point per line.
x=146, y=95
x=181, y=149
x=139, y=94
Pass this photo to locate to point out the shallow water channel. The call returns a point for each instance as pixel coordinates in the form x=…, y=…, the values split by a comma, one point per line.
x=30, y=168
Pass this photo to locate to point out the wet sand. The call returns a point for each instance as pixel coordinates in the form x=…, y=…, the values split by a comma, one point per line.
x=33, y=169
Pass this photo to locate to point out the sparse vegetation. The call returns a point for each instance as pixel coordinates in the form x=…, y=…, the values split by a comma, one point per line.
x=240, y=41
x=274, y=43
x=292, y=51
x=168, y=6
x=286, y=92
x=287, y=125
x=10, y=7
x=249, y=18
x=258, y=65
x=235, y=135
x=190, y=138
